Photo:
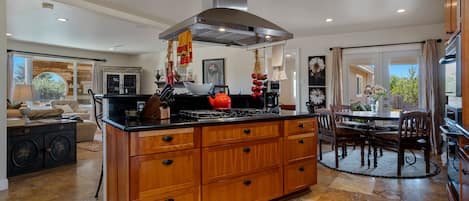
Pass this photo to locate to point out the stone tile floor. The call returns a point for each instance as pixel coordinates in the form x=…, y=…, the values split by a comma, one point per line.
x=78, y=183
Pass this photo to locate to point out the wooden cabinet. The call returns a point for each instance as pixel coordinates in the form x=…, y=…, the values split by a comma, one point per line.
x=300, y=126
x=300, y=175
x=158, y=141
x=192, y=194
x=121, y=80
x=299, y=147
x=219, y=135
x=156, y=174
x=452, y=16
x=262, y=186
x=237, y=159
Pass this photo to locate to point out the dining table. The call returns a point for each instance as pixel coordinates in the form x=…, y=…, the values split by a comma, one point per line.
x=370, y=117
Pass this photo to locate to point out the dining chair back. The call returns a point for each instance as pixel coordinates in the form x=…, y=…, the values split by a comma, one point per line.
x=414, y=125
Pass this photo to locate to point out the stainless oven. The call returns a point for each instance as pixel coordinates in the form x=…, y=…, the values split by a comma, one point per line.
x=450, y=133
x=452, y=64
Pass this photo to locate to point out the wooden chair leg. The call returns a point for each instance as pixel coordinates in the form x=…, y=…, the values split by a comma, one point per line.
x=381, y=151
x=375, y=157
x=427, y=160
x=336, y=150
x=345, y=149
x=400, y=160
x=362, y=153
x=320, y=150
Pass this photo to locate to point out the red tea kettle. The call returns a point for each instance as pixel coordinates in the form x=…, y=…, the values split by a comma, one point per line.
x=220, y=100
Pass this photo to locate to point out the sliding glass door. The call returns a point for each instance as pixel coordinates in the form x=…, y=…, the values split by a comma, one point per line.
x=397, y=71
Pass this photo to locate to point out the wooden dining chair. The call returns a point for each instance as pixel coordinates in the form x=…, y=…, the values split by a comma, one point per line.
x=338, y=136
x=413, y=133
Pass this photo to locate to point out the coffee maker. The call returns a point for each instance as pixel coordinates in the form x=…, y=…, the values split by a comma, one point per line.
x=271, y=102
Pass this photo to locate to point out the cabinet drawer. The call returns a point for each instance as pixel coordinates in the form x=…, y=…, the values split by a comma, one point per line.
x=237, y=159
x=192, y=194
x=300, y=175
x=153, y=175
x=300, y=126
x=158, y=141
x=299, y=147
x=215, y=135
x=256, y=187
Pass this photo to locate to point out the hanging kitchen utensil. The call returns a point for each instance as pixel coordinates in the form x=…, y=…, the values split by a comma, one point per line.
x=257, y=64
x=169, y=64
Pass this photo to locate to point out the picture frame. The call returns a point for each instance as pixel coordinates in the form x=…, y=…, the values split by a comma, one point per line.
x=317, y=70
x=213, y=71
x=318, y=97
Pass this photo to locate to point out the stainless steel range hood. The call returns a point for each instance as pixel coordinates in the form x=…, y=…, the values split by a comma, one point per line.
x=226, y=25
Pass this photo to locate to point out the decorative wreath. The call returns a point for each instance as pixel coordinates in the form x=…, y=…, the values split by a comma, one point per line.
x=316, y=65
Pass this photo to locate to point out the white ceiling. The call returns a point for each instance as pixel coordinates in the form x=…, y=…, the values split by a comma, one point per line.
x=134, y=24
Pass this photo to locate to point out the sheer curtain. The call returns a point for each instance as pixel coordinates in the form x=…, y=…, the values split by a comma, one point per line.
x=434, y=97
x=337, y=76
x=97, y=78
x=10, y=74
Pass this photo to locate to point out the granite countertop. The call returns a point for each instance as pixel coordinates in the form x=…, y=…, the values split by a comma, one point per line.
x=134, y=125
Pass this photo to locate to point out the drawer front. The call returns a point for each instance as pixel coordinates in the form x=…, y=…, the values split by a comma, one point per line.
x=255, y=187
x=217, y=135
x=464, y=175
x=237, y=159
x=299, y=147
x=154, y=175
x=300, y=175
x=192, y=194
x=300, y=126
x=158, y=141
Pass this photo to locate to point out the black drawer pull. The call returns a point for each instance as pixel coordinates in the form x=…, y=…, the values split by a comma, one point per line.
x=301, y=125
x=302, y=141
x=169, y=199
x=301, y=169
x=247, y=182
x=247, y=150
x=167, y=138
x=247, y=131
x=167, y=162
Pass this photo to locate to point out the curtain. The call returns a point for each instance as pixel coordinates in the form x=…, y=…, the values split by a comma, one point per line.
x=434, y=96
x=97, y=78
x=337, y=76
x=10, y=74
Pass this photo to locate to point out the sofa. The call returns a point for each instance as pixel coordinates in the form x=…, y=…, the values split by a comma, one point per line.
x=85, y=128
x=71, y=108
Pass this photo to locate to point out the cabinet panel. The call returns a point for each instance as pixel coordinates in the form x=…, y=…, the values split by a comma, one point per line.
x=256, y=187
x=237, y=159
x=299, y=147
x=464, y=175
x=150, y=142
x=300, y=126
x=25, y=154
x=300, y=175
x=60, y=149
x=153, y=175
x=112, y=83
x=192, y=194
x=217, y=135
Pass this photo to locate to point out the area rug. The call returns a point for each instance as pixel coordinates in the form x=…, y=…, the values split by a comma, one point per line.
x=387, y=165
x=93, y=146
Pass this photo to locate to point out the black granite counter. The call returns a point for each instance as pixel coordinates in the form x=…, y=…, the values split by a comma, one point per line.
x=134, y=125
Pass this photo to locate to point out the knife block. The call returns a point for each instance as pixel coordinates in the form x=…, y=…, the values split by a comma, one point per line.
x=152, y=108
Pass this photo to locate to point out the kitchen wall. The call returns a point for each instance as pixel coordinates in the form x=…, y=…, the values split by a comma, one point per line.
x=113, y=59
x=238, y=67
x=319, y=45
x=3, y=93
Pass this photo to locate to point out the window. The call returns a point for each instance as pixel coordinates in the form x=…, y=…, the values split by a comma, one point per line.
x=19, y=67
x=49, y=86
x=404, y=84
x=359, y=89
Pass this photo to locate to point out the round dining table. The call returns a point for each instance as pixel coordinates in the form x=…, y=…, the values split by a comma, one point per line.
x=370, y=117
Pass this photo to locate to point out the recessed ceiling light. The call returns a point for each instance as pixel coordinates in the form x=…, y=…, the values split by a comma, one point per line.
x=329, y=20
x=9, y=34
x=112, y=48
x=221, y=29
x=401, y=10
x=62, y=19
x=268, y=37
x=288, y=55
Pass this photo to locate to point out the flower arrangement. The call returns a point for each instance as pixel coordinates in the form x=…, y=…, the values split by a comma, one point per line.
x=375, y=92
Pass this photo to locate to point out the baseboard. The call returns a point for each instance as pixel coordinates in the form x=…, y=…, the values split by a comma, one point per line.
x=3, y=184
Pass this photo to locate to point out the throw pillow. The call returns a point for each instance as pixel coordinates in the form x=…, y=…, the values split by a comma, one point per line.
x=11, y=105
x=65, y=108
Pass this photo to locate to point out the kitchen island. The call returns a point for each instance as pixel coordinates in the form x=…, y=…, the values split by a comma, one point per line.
x=248, y=158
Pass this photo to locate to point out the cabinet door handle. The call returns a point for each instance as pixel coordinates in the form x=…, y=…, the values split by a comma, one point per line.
x=247, y=131
x=167, y=162
x=247, y=182
x=167, y=138
x=301, y=169
x=247, y=150
x=301, y=125
x=169, y=199
x=301, y=141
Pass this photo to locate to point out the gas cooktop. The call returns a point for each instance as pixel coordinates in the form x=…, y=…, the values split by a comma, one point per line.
x=221, y=114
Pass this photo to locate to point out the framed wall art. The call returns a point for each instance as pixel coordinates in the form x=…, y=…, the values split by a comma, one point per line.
x=317, y=71
x=317, y=97
x=213, y=71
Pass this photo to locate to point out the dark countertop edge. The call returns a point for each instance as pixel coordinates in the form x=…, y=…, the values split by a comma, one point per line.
x=203, y=123
x=126, y=96
x=464, y=129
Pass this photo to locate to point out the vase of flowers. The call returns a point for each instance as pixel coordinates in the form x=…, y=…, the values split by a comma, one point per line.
x=375, y=94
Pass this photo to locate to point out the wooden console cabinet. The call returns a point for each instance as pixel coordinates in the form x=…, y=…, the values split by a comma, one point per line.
x=243, y=161
x=40, y=145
